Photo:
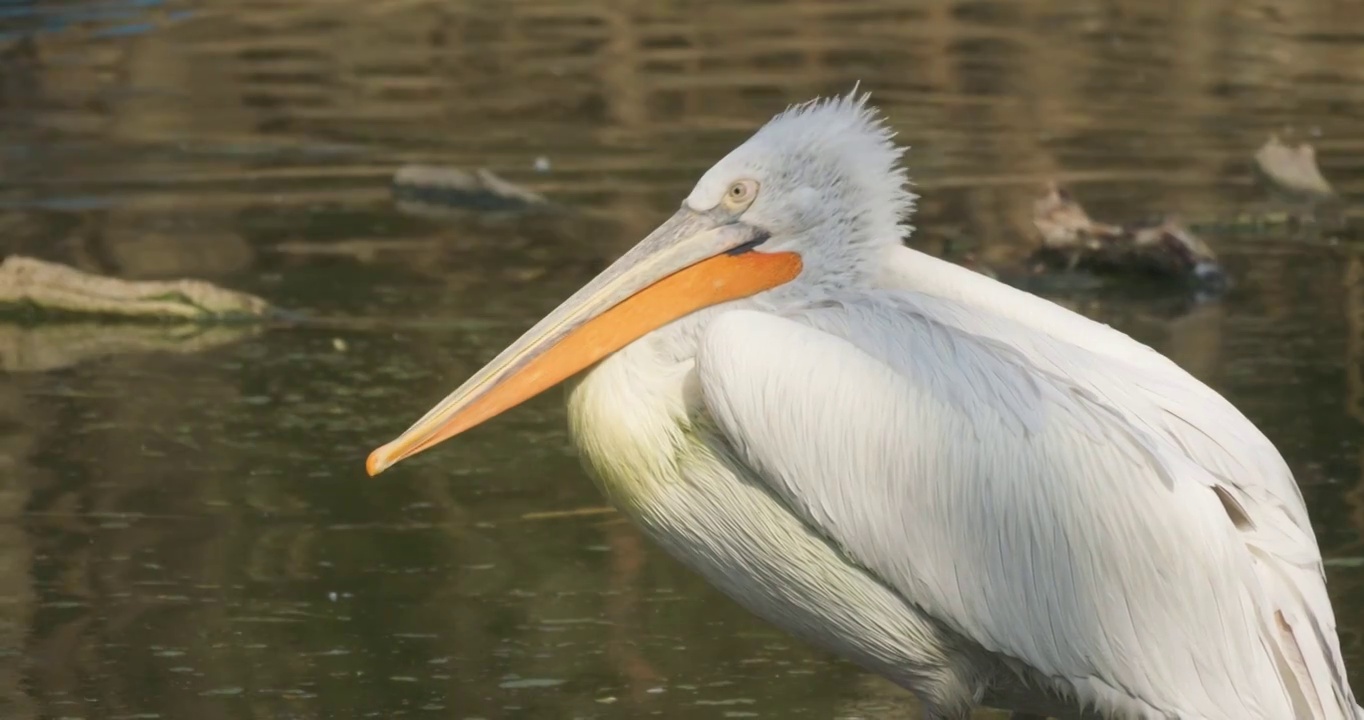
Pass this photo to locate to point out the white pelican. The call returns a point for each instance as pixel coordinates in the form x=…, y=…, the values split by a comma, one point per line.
x=984, y=497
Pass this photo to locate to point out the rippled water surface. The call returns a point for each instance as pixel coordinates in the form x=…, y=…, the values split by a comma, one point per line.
x=188, y=531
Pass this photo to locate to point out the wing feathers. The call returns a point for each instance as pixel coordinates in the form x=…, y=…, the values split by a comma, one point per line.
x=1084, y=539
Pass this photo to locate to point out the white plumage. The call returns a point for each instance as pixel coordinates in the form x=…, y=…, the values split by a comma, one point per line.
x=968, y=489
x=1038, y=483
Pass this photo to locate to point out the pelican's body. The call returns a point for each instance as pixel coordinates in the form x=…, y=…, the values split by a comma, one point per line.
x=980, y=495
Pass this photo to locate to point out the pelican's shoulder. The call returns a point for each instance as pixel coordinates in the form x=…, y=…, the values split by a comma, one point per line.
x=1100, y=359
x=903, y=268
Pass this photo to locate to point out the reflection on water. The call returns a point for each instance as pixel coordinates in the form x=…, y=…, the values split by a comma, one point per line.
x=189, y=533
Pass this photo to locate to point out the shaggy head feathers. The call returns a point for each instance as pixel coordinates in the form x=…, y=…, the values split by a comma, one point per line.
x=830, y=179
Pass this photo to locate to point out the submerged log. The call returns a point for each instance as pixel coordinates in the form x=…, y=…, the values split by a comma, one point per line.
x=430, y=190
x=1163, y=247
x=27, y=284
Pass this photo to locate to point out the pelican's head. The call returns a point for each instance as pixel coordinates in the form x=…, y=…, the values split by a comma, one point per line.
x=822, y=179
x=802, y=200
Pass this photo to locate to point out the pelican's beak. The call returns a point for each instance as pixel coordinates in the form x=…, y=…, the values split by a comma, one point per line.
x=692, y=261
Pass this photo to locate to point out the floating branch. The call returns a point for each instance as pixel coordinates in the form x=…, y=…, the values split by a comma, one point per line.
x=1161, y=247
x=29, y=284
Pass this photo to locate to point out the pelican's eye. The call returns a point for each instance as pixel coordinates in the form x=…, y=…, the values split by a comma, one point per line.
x=741, y=194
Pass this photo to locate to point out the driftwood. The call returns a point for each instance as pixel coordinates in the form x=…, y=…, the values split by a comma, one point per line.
x=54, y=316
x=428, y=190
x=26, y=283
x=1164, y=247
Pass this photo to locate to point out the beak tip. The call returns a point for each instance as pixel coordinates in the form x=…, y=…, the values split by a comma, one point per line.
x=377, y=462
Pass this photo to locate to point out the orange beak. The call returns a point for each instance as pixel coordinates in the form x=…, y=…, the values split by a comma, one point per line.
x=692, y=261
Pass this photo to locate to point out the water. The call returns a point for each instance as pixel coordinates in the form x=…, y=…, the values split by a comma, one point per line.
x=187, y=528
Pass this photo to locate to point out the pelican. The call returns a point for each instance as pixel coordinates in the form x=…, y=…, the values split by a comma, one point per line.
x=967, y=489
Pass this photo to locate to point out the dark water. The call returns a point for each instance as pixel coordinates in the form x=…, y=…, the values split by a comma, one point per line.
x=187, y=530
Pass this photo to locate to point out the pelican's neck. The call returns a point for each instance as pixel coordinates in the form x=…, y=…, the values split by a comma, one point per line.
x=632, y=413
x=629, y=415
x=904, y=268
